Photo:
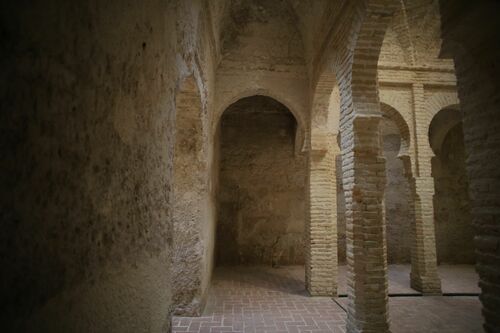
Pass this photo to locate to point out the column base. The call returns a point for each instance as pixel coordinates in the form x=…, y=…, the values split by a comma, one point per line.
x=322, y=292
x=427, y=285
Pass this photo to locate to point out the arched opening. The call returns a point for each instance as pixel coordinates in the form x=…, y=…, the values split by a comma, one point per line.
x=190, y=196
x=394, y=134
x=397, y=188
x=261, y=196
x=452, y=216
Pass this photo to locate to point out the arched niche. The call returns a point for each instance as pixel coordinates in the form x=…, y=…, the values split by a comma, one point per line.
x=261, y=195
x=302, y=131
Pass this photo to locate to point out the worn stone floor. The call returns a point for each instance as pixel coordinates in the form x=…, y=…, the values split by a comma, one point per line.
x=263, y=299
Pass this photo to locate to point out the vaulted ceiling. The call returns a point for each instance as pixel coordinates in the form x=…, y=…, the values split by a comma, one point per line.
x=313, y=18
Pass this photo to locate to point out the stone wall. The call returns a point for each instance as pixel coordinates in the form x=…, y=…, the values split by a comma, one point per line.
x=262, y=186
x=87, y=143
x=190, y=201
x=454, y=231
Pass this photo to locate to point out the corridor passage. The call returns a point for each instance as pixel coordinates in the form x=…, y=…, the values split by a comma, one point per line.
x=263, y=299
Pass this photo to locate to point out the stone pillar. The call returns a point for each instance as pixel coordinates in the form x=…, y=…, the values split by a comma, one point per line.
x=423, y=276
x=364, y=182
x=321, y=256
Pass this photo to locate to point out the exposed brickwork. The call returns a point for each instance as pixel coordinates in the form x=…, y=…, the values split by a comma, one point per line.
x=364, y=173
x=424, y=261
x=321, y=229
x=321, y=265
x=366, y=245
x=467, y=28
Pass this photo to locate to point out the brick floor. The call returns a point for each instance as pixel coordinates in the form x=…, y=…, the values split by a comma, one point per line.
x=454, y=279
x=263, y=299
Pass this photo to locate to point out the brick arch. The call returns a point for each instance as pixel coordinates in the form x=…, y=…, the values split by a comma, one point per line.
x=438, y=102
x=378, y=15
x=402, y=125
x=325, y=110
x=441, y=124
x=320, y=115
x=356, y=65
x=362, y=164
x=435, y=104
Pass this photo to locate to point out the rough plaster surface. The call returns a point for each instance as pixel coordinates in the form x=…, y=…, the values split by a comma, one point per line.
x=454, y=231
x=87, y=149
x=190, y=201
x=262, y=194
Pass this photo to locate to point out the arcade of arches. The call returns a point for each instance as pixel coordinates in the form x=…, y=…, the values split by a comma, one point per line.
x=250, y=166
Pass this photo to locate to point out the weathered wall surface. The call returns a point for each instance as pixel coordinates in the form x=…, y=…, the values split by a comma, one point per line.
x=262, y=186
x=262, y=53
x=454, y=231
x=87, y=144
x=189, y=199
x=397, y=214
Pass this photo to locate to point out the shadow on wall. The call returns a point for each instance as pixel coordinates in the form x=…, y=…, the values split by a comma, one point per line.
x=454, y=231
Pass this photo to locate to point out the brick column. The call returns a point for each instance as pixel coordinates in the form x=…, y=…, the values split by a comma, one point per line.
x=364, y=182
x=467, y=26
x=321, y=257
x=424, y=276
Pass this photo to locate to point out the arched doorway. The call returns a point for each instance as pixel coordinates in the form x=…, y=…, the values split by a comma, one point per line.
x=261, y=206
x=454, y=231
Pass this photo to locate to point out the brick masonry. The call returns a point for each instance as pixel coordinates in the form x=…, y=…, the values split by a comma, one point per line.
x=466, y=29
